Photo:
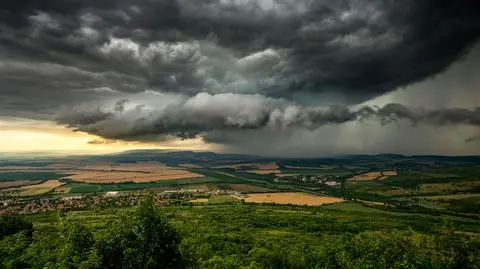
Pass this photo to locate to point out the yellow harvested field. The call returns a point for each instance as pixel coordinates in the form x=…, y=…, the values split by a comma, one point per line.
x=38, y=189
x=265, y=172
x=17, y=183
x=47, y=184
x=126, y=176
x=296, y=198
x=373, y=176
x=107, y=172
x=389, y=173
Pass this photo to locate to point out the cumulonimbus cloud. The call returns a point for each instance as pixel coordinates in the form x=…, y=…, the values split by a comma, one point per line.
x=355, y=48
x=189, y=117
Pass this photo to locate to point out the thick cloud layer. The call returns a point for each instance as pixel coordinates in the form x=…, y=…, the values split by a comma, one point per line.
x=222, y=69
x=80, y=49
x=208, y=115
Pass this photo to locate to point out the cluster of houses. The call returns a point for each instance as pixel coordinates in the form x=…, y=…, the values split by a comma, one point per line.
x=55, y=203
x=107, y=199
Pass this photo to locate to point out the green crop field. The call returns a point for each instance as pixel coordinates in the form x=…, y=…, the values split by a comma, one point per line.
x=12, y=175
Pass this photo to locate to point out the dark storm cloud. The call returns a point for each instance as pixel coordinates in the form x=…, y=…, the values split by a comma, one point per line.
x=355, y=48
x=395, y=112
x=83, y=118
x=120, y=105
x=473, y=139
x=208, y=116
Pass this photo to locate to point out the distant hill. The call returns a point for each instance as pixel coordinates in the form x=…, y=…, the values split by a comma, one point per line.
x=173, y=157
x=176, y=157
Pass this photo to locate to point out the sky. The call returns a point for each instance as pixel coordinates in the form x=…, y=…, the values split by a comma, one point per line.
x=267, y=77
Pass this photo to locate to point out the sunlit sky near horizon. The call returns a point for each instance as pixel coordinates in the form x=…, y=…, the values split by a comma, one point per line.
x=28, y=136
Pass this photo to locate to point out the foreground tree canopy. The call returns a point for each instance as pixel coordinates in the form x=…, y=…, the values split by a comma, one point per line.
x=144, y=238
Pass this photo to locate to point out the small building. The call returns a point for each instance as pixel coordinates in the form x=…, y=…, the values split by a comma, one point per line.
x=111, y=193
x=69, y=198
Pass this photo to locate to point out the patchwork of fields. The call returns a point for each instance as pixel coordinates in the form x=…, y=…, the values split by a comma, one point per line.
x=423, y=186
x=259, y=213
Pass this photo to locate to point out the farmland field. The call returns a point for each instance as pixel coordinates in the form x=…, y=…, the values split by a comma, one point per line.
x=373, y=182
x=237, y=214
x=452, y=197
x=36, y=189
x=17, y=183
x=28, y=175
x=249, y=188
x=291, y=198
x=138, y=177
x=75, y=187
x=138, y=172
x=373, y=176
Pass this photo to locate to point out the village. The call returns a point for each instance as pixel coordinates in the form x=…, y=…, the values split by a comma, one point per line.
x=103, y=200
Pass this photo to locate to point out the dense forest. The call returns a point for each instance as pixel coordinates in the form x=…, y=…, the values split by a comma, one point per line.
x=146, y=238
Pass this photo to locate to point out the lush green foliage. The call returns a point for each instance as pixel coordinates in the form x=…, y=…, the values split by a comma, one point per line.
x=243, y=236
x=143, y=239
x=13, y=224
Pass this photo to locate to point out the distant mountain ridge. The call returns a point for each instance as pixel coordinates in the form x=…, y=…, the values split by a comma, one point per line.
x=180, y=156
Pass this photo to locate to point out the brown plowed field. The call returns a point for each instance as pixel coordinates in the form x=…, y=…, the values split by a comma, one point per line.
x=259, y=166
x=17, y=183
x=248, y=188
x=373, y=176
